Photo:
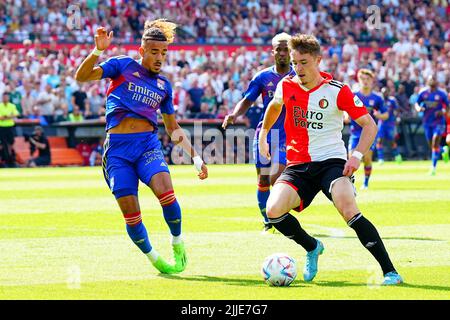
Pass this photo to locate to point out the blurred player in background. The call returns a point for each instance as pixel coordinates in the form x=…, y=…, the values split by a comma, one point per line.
x=432, y=102
x=375, y=105
x=316, y=154
x=387, y=128
x=132, y=151
x=264, y=83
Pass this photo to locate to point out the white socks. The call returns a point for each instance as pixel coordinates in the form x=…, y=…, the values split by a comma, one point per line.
x=177, y=239
x=152, y=255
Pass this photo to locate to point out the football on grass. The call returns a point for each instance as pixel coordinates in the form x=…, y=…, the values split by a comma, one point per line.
x=279, y=270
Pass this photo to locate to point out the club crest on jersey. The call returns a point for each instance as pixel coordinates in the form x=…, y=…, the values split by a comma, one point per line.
x=160, y=84
x=323, y=103
x=357, y=101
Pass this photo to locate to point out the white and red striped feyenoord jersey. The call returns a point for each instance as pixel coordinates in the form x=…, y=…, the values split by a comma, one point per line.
x=314, y=118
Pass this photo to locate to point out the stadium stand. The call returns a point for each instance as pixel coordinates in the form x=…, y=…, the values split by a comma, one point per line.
x=217, y=43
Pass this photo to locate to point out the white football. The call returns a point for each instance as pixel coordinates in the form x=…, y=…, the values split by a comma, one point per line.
x=279, y=270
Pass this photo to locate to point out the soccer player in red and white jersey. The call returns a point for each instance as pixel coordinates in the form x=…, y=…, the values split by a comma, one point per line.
x=316, y=154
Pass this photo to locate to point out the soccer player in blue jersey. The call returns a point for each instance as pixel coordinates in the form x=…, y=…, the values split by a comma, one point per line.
x=375, y=105
x=264, y=83
x=132, y=151
x=433, y=103
x=387, y=128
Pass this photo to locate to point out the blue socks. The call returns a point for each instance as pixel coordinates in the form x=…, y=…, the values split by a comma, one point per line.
x=262, y=194
x=137, y=232
x=171, y=211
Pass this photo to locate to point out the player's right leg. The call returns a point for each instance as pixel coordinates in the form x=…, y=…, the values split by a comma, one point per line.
x=285, y=195
x=379, y=144
x=120, y=175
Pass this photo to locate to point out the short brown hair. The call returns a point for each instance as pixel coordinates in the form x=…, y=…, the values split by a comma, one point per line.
x=366, y=72
x=305, y=43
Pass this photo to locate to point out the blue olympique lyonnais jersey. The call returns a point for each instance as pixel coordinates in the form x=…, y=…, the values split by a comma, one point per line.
x=372, y=102
x=265, y=82
x=134, y=92
x=433, y=102
x=391, y=106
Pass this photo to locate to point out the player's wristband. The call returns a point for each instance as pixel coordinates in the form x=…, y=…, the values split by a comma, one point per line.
x=97, y=52
x=358, y=155
x=198, y=162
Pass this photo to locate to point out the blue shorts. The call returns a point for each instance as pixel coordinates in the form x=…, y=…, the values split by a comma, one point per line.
x=129, y=158
x=277, y=154
x=354, y=140
x=430, y=131
x=386, y=132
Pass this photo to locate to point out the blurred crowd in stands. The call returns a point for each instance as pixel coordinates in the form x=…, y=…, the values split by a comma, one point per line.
x=411, y=42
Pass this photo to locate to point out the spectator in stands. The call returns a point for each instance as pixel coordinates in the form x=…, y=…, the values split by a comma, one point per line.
x=15, y=97
x=335, y=48
x=8, y=112
x=80, y=99
x=37, y=115
x=204, y=112
x=179, y=99
x=232, y=95
x=38, y=141
x=210, y=99
x=85, y=151
x=195, y=93
x=96, y=102
x=76, y=115
x=45, y=103
x=403, y=102
x=61, y=112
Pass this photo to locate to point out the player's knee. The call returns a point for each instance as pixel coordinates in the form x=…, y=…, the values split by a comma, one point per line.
x=263, y=180
x=167, y=198
x=274, y=210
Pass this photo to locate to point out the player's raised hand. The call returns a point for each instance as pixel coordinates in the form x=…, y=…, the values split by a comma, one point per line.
x=203, y=174
x=351, y=166
x=102, y=39
x=229, y=119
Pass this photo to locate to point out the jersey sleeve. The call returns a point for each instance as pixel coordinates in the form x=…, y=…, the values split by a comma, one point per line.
x=111, y=68
x=350, y=103
x=166, y=105
x=278, y=95
x=254, y=89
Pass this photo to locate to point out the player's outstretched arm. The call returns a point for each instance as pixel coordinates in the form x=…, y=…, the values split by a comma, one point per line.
x=86, y=71
x=270, y=117
x=240, y=109
x=368, y=134
x=178, y=136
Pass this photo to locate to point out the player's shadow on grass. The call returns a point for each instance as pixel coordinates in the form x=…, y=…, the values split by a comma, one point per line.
x=403, y=285
x=229, y=281
x=297, y=283
x=320, y=235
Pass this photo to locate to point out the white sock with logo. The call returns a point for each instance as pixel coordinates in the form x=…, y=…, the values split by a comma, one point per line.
x=152, y=255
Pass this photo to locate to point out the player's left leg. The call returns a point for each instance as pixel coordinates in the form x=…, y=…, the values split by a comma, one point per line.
x=435, y=151
x=161, y=185
x=343, y=197
x=152, y=170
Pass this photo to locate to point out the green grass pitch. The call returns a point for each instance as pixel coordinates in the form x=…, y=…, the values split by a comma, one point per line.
x=62, y=237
